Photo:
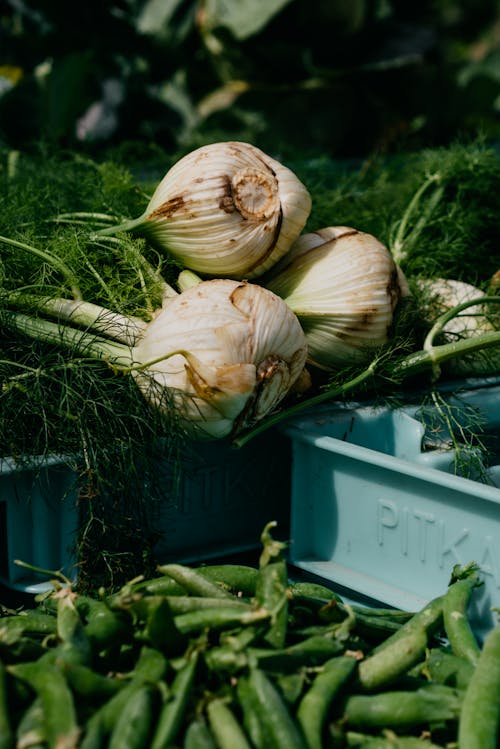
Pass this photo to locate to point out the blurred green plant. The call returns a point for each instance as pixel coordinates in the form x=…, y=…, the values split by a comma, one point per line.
x=341, y=77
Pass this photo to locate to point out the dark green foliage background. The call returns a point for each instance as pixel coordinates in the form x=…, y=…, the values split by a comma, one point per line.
x=340, y=78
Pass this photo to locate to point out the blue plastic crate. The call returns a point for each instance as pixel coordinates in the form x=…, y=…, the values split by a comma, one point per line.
x=377, y=511
x=221, y=503
x=38, y=521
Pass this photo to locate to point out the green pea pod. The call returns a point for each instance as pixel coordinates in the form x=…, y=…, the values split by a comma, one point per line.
x=280, y=728
x=30, y=623
x=365, y=741
x=161, y=629
x=403, y=649
x=217, y=619
x=133, y=727
x=384, y=667
x=6, y=732
x=238, y=579
x=456, y=623
x=428, y=619
x=88, y=683
x=185, y=604
x=50, y=685
x=250, y=707
x=193, y=581
x=272, y=592
x=311, y=652
x=433, y=703
x=480, y=717
x=225, y=659
x=172, y=713
x=227, y=731
x=303, y=591
x=149, y=669
x=314, y=705
x=30, y=729
x=71, y=630
x=105, y=627
x=198, y=736
x=443, y=667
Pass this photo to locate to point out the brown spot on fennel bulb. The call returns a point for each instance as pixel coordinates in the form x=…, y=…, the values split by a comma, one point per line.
x=344, y=287
x=228, y=352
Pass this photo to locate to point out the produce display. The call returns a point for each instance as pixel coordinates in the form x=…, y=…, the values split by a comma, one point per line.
x=233, y=214
x=139, y=313
x=238, y=656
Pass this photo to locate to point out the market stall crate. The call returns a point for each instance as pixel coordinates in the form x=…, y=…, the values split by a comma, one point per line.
x=218, y=506
x=38, y=520
x=378, y=511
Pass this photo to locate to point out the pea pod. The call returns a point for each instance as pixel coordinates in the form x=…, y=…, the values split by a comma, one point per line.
x=134, y=725
x=403, y=649
x=365, y=741
x=434, y=703
x=49, y=683
x=161, y=629
x=227, y=731
x=480, y=717
x=312, y=651
x=104, y=627
x=173, y=711
x=26, y=624
x=250, y=707
x=198, y=736
x=314, y=706
x=193, y=581
x=279, y=726
x=149, y=669
x=30, y=731
x=6, y=732
x=443, y=667
x=238, y=579
x=70, y=629
x=456, y=623
x=88, y=683
x=220, y=618
x=271, y=590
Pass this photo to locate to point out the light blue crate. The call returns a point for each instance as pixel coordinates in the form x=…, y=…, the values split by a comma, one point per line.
x=223, y=500
x=375, y=514
x=38, y=521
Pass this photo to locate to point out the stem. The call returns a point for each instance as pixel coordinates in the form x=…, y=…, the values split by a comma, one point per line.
x=42, y=571
x=130, y=225
x=122, y=328
x=56, y=263
x=455, y=312
x=116, y=354
x=409, y=366
x=398, y=253
x=90, y=216
x=422, y=360
x=326, y=395
x=186, y=279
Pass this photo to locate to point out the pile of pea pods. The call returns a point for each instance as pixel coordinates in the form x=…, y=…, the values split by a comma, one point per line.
x=230, y=656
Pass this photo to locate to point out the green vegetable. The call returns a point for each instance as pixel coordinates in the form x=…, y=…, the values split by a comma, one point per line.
x=315, y=704
x=173, y=710
x=226, y=729
x=433, y=703
x=271, y=588
x=6, y=732
x=479, y=719
x=279, y=727
x=134, y=725
x=457, y=626
x=60, y=717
